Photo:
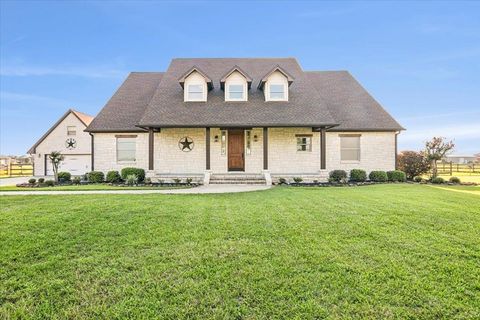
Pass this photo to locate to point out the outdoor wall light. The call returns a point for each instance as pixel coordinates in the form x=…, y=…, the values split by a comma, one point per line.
x=255, y=138
x=215, y=138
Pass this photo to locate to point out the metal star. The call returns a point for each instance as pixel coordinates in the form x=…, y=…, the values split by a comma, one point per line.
x=186, y=144
x=71, y=143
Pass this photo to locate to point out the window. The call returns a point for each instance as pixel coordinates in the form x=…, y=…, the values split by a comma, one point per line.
x=195, y=92
x=304, y=143
x=235, y=92
x=71, y=130
x=350, y=148
x=126, y=149
x=224, y=142
x=277, y=91
x=248, y=137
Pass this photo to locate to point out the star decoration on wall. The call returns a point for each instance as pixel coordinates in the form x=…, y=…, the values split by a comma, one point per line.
x=70, y=143
x=186, y=144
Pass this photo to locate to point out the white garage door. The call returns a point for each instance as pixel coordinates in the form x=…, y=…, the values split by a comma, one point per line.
x=75, y=164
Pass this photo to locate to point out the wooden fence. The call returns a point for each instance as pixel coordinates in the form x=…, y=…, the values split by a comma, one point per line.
x=451, y=168
x=16, y=170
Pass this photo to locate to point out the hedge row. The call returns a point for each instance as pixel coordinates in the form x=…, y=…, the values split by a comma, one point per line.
x=359, y=175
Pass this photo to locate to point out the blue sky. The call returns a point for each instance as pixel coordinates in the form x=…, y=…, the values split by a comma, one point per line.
x=420, y=60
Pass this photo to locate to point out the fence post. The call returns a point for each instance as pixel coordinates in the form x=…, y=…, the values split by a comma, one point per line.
x=450, y=167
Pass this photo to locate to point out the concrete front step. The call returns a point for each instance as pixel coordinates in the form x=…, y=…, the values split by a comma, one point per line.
x=236, y=177
x=252, y=182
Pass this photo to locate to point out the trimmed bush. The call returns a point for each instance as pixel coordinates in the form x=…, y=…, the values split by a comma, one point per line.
x=41, y=180
x=32, y=180
x=297, y=179
x=188, y=180
x=438, y=180
x=113, y=177
x=140, y=173
x=76, y=180
x=417, y=179
x=338, y=176
x=49, y=183
x=454, y=180
x=378, y=176
x=282, y=181
x=95, y=177
x=358, y=175
x=65, y=176
x=176, y=180
x=396, y=176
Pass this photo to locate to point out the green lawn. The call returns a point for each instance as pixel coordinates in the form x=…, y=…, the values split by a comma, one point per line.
x=384, y=251
x=87, y=187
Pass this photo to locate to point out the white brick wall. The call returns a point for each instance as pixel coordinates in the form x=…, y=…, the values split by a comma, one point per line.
x=377, y=152
x=55, y=141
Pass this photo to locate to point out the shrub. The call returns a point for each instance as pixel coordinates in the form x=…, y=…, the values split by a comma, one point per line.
x=315, y=181
x=396, y=176
x=417, y=179
x=50, y=183
x=297, y=179
x=131, y=179
x=282, y=181
x=338, y=176
x=65, y=176
x=95, y=177
x=413, y=163
x=161, y=181
x=41, y=180
x=113, y=177
x=454, y=180
x=140, y=173
x=188, y=180
x=378, y=176
x=358, y=175
x=438, y=180
x=32, y=180
x=76, y=180
x=176, y=180
x=148, y=180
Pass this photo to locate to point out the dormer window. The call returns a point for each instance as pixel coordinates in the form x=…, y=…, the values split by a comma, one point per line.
x=277, y=92
x=195, y=92
x=236, y=84
x=275, y=84
x=196, y=85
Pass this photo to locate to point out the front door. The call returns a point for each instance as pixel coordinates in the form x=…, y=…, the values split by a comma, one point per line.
x=236, y=147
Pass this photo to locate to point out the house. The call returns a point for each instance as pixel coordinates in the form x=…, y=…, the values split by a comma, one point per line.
x=68, y=137
x=460, y=159
x=229, y=119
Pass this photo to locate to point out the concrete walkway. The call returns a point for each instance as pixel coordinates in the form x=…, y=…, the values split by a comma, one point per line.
x=213, y=188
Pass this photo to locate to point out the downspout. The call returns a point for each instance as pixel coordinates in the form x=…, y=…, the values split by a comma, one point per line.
x=396, y=149
x=92, y=167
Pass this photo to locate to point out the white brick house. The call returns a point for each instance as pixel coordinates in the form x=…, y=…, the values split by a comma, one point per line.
x=259, y=117
x=68, y=137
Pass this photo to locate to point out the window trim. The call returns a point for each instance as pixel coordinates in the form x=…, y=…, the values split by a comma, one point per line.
x=359, y=152
x=284, y=98
x=134, y=138
x=299, y=136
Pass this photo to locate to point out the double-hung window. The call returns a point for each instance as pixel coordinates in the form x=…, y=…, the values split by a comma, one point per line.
x=71, y=130
x=304, y=143
x=350, y=147
x=277, y=92
x=236, y=92
x=126, y=149
x=195, y=92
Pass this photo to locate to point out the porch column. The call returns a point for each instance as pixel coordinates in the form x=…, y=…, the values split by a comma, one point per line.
x=207, y=148
x=323, y=147
x=265, y=148
x=150, y=148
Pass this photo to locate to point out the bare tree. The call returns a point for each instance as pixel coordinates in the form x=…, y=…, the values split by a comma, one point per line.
x=435, y=150
x=56, y=158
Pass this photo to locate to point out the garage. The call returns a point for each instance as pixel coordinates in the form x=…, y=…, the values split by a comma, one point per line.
x=75, y=164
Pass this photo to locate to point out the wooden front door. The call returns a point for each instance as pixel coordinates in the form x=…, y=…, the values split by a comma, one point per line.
x=236, y=149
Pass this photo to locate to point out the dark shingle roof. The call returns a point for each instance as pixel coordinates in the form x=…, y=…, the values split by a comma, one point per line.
x=167, y=108
x=350, y=104
x=316, y=98
x=124, y=110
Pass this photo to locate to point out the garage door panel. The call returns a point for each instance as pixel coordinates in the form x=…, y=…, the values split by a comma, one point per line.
x=75, y=164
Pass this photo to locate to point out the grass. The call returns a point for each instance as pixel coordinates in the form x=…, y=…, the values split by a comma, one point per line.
x=89, y=187
x=383, y=251
x=464, y=177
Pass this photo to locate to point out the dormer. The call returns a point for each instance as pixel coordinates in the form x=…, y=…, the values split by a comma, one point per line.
x=236, y=84
x=275, y=84
x=195, y=84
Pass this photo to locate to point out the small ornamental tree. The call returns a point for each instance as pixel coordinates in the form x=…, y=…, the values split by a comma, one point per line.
x=56, y=158
x=435, y=150
x=413, y=163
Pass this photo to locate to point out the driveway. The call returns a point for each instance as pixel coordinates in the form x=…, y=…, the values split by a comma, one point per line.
x=213, y=188
x=14, y=181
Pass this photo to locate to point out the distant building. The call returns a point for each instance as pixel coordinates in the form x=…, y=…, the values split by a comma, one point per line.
x=460, y=159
